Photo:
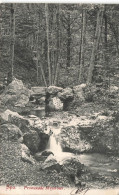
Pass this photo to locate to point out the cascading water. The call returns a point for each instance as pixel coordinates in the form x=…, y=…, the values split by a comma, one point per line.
x=54, y=145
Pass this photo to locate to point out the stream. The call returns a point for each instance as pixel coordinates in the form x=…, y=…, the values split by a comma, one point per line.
x=96, y=162
x=99, y=163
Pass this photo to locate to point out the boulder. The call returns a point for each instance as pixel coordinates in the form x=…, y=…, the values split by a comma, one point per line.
x=15, y=94
x=91, y=93
x=72, y=166
x=98, y=135
x=55, y=104
x=44, y=140
x=104, y=135
x=10, y=132
x=71, y=140
x=46, y=153
x=25, y=149
x=51, y=163
x=25, y=124
x=66, y=93
x=41, y=101
x=32, y=141
x=39, y=157
x=25, y=154
x=42, y=155
x=53, y=90
x=20, y=140
x=41, y=91
x=2, y=121
x=38, y=95
x=37, y=100
x=38, y=111
x=20, y=121
x=78, y=91
x=79, y=87
x=36, y=124
x=6, y=113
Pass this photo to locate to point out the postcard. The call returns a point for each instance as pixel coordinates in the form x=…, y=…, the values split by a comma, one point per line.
x=59, y=98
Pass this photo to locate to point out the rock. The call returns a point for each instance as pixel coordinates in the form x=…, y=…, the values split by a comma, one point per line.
x=25, y=154
x=2, y=121
x=39, y=112
x=41, y=101
x=25, y=124
x=25, y=149
x=42, y=155
x=27, y=159
x=72, y=166
x=71, y=140
x=41, y=91
x=55, y=104
x=91, y=93
x=10, y=132
x=66, y=93
x=36, y=124
x=2, y=87
x=15, y=94
x=20, y=140
x=6, y=113
x=37, y=100
x=44, y=140
x=38, y=95
x=19, y=121
x=51, y=163
x=54, y=90
x=46, y=153
x=78, y=91
x=101, y=133
x=32, y=141
x=114, y=89
x=79, y=87
x=39, y=157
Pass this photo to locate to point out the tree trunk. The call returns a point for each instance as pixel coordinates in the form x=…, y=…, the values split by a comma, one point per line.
x=43, y=75
x=12, y=38
x=37, y=58
x=83, y=31
x=115, y=32
x=105, y=41
x=95, y=44
x=58, y=46
x=68, y=41
x=48, y=49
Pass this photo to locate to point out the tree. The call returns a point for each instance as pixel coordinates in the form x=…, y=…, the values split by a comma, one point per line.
x=48, y=49
x=96, y=42
x=47, y=38
x=58, y=45
x=83, y=31
x=68, y=19
x=12, y=38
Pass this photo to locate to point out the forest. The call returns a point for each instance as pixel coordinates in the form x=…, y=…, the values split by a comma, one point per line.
x=59, y=94
x=42, y=43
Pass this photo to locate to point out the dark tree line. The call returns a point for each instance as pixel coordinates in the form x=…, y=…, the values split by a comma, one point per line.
x=60, y=40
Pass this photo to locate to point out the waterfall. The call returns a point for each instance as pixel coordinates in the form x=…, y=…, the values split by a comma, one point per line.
x=54, y=145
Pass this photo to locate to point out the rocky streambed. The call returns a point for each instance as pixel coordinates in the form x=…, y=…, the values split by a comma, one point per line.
x=60, y=149
x=69, y=152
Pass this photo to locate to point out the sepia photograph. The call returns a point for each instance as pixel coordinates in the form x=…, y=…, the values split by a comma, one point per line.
x=59, y=99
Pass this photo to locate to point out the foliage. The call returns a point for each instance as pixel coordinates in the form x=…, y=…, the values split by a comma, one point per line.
x=65, y=42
